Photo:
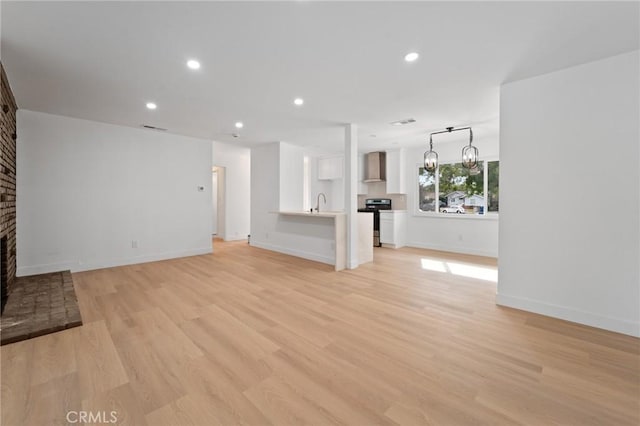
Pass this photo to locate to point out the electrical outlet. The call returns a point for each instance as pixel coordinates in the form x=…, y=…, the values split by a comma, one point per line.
x=134, y=244
x=459, y=237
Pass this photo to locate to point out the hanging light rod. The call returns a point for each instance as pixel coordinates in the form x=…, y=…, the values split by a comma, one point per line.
x=469, y=152
x=452, y=129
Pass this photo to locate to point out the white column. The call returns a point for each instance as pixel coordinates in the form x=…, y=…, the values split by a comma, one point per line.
x=351, y=192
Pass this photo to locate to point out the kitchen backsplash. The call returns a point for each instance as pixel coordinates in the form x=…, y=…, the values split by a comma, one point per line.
x=378, y=190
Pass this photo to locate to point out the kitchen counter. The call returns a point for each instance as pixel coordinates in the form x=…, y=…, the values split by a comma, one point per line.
x=365, y=238
x=304, y=223
x=339, y=220
x=393, y=224
x=309, y=214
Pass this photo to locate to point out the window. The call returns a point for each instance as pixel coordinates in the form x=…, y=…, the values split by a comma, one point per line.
x=459, y=190
x=459, y=187
x=427, y=189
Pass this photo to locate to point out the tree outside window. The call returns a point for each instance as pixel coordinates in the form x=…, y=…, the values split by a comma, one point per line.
x=427, y=190
x=459, y=190
x=493, y=202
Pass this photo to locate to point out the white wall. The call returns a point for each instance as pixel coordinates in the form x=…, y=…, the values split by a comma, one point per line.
x=291, y=177
x=574, y=253
x=277, y=187
x=335, y=199
x=237, y=163
x=86, y=190
x=332, y=189
x=317, y=186
x=460, y=234
x=265, y=186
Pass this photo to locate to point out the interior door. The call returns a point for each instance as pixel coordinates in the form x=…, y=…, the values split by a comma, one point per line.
x=214, y=197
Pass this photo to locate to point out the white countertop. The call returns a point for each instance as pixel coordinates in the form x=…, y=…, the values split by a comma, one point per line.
x=327, y=213
x=308, y=214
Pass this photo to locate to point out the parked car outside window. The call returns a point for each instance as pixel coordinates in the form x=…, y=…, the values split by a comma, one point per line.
x=452, y=209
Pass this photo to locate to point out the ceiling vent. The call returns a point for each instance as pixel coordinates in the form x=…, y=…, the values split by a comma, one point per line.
x=403, y=122
x=158, y=129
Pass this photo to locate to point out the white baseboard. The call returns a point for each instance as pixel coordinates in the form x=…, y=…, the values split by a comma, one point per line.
x=234, y=238
x=353, y=264
x=108, y=263
x=293, y=252
x=24, y=271
x=462, y=250
x=392, y=246
x=574, y=315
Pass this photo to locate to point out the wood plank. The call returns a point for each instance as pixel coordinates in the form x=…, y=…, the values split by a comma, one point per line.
x=98, y=363
x=249, y=336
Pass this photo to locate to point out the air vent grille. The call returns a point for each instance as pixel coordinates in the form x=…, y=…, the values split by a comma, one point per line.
x=403, y=122
x=158, y=129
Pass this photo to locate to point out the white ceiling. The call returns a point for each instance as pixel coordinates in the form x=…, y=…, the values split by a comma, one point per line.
x=104, y=61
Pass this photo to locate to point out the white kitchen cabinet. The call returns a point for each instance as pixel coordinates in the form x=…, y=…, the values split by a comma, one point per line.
x=330, y=168
x=396, y=172
x=393, y=228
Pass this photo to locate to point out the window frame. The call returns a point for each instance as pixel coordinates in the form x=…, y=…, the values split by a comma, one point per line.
x=487, y=215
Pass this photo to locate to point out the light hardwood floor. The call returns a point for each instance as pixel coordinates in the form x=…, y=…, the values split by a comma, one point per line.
x=248, y=336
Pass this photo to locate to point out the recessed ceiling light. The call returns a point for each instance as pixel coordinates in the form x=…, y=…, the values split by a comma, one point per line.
x=410, y=57
x=151, y=105
x=239, y=125
x=298, y=101
x=193, y=64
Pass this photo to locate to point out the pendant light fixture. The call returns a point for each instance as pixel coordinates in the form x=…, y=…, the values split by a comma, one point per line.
x=469, y=152
x=431, y=157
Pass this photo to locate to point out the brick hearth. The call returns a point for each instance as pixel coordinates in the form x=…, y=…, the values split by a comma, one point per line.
x=40, y=304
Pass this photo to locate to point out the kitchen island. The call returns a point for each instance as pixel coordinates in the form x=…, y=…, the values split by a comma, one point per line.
x=320, y=236
x=337, y=220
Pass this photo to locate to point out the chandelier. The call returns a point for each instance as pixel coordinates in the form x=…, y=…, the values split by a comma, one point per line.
x=469, y=152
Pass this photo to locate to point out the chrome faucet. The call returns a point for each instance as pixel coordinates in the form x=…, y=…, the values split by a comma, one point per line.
x=318, y=205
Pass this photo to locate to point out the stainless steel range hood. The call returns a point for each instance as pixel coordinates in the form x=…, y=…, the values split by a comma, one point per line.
x=376, y=167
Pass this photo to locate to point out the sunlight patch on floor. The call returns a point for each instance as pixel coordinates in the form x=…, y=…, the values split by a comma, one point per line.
x=433, y=265
x=460, y=269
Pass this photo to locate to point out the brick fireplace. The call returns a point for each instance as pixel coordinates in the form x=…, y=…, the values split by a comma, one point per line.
x=7, y=186
x=38, y=304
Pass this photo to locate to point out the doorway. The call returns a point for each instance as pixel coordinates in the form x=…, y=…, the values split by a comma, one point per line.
x=218, y=198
